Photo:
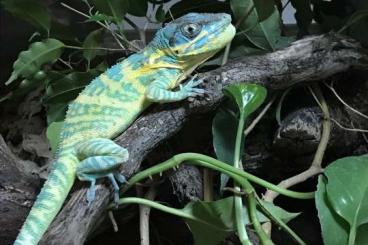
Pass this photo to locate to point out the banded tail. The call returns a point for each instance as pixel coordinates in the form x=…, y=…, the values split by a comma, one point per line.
x=49, y=201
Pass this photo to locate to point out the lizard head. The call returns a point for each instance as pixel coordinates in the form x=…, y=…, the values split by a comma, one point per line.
x=194, y=37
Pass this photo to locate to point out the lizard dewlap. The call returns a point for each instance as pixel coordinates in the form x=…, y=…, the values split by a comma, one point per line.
x=113, y=100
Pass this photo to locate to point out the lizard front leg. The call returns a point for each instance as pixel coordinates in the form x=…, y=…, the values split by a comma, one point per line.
x=100, y=158
x=159, y=90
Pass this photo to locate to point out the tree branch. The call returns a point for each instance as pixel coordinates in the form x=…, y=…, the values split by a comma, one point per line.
x=310, y=59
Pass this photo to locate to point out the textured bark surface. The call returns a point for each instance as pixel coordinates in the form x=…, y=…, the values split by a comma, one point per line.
x=310, y=59
x=17, y=193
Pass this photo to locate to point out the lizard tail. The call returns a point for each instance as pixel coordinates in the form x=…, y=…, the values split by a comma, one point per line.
x=49, y=201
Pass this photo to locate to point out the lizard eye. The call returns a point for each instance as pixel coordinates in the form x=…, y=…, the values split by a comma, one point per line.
x=191, y=30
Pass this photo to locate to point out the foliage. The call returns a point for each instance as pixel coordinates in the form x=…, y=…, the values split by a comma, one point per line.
x=259, y=30
x=64, y=56
x=342, y=201
x=211, y=222
x=29, y=62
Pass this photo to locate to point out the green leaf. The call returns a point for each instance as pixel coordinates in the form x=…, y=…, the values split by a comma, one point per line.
x=261, y=27
x=334, y=228
x=29, y=62
x=33, y=12
x=248, y=97
x=207, y=6
x=160, y=14
x=211, y=222
x=91, y=43
x=214, y=220
x=53, y=134
x=362, y=235
x=356, y=26
x=100, y=17
x=24, y=87
x=115, y=8
x=278, y=212
x=224, y=127
x=62, y=89
x=265, y=9
x=56, y=112
x=303, y=15
x=347, y=189
x=138, y=7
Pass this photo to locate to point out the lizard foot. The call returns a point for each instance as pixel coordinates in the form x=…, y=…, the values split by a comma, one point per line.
x=190, y=90
x=115, y=185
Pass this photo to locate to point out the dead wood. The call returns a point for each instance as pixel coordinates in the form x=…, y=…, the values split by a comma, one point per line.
x=310, y=59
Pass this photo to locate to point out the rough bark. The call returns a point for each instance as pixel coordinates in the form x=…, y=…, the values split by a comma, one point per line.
x=310, y=59
x=17, y=193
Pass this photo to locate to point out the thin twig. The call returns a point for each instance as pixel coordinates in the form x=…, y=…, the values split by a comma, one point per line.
x=286, y=4
x=113, y=221
x=65, y=63
x=171, y=15
x=349, y=129
x=114, y=36
x=344, y=103
x=227, y=48
x=92, y=48
x=316, y=165
x=259, y=116
x=142, y=34
x=106, y=26
x=207, y=185
x=144, y=213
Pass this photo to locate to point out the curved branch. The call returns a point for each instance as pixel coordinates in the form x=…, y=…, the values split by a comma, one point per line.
x=310, y=59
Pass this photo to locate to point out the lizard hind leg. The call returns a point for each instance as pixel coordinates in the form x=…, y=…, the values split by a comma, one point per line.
x=100, y=158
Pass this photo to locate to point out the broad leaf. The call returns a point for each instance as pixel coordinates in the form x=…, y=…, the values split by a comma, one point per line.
x=100, y=17
x=29, y=62
x=33, y=12
x=91, y=43
x=278, y=212
x=138, y=7
x=248, y=97
x=347, y=189
x=362, y=235
x=303, y=15
x=224, y=128
x=53, y=134
x=261, y=26
x=160, y=14
x=208, y=6
x=211, y=222
x=334, y=228
x=23, y=88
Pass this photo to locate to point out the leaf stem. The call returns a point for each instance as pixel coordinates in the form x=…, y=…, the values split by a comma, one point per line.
x=279, y=222
x=352, y=235
x=238, y=202
x=315, y=167
x=265, y=240
x=209, y=162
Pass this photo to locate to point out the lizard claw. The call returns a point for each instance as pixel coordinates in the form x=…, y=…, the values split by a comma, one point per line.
x=190, y=90
x=91, y=193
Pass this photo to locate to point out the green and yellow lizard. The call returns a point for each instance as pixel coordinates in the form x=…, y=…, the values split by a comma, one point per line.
x=113, y=100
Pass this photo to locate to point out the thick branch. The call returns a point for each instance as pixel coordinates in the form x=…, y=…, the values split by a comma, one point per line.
x=310, y=59
x=17, y=191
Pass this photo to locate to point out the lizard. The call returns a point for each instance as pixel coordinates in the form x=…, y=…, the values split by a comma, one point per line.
x=112, y=101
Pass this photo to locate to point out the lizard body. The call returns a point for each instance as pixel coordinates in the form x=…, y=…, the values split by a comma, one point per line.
x=113, y=100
